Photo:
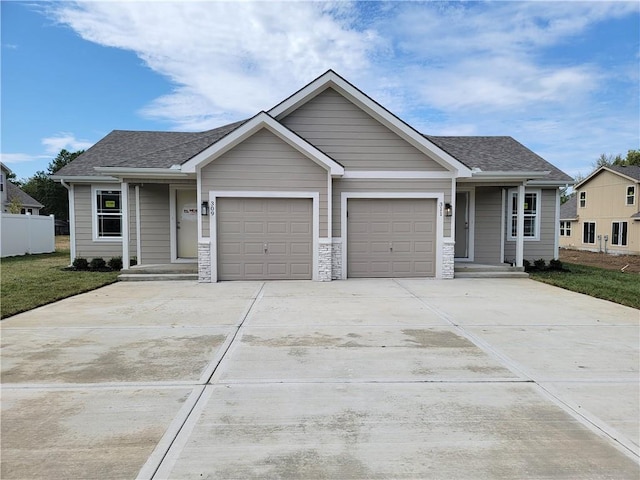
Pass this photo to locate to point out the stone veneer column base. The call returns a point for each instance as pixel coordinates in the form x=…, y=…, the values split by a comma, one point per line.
x=204, y=262
x=448, y=265
x=324, y=261
x=336, y=259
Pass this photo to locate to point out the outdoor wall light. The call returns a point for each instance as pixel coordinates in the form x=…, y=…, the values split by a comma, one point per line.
x=204, y=209
x=448, y=209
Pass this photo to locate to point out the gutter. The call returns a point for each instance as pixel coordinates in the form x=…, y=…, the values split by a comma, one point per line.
x=133, y=172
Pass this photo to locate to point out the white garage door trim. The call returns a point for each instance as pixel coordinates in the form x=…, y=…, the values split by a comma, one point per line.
x=439, y=197
x=213, y=227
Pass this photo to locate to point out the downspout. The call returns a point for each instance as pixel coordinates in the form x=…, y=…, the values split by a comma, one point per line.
x=72, y=221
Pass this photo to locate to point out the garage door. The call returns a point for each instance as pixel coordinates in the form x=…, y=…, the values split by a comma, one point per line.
x=391, y=237
x=264, y=238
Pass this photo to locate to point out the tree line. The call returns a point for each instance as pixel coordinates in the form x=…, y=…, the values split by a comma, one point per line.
x=49, y=193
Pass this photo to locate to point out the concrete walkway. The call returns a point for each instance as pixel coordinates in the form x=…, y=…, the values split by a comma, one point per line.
x=465, y=379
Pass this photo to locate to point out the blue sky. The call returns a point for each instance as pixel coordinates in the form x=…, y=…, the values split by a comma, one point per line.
x=560, y=77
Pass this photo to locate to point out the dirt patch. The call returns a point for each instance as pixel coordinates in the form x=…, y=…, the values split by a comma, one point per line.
x=436, y=339
x=601, y=260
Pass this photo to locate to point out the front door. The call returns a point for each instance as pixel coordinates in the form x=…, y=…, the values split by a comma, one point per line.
x=187, y=223
x=462, y=225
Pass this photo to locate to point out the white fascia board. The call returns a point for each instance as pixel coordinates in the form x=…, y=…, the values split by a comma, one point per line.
x=550, y=183
x=84, y=179
x=377, y=111
x=405, y=174
x=133, y=172
x=501, y=176
x=260, y=121
x=578, y=185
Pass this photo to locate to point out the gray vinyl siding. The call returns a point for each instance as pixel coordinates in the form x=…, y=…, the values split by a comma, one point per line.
x=487, y=225
x=544, y=248
x=86, y=247
x=263, y=162
x=383, y=185
x=352, y=137
x=155, y=226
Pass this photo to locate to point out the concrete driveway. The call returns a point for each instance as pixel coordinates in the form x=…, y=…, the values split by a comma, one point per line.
x=464, y=379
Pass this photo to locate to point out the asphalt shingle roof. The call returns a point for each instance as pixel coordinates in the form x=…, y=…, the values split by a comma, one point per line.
x=143, y=150
x=569, y=209
x=13, y=191
x=497, y=154
x=632, y=171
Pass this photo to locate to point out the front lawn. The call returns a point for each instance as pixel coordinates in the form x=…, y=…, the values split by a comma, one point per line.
x=615, y=286
x=30, y=281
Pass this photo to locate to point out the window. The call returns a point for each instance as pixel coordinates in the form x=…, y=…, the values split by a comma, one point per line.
x=531, y=210
x=108, y=214
x=631, y=195
x=565, y=229
x=589, y=232
x=583, y=199
x=619, y=233
x=24, y=211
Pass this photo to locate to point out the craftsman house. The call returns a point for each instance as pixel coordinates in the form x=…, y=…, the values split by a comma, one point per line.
x=328, y=184
x=604, y=213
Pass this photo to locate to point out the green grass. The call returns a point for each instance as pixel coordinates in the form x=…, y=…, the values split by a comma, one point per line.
x=618, y=287
x=30, y=281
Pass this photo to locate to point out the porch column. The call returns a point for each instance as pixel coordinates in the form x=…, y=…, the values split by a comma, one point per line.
x=520, y=227
x=124, y=205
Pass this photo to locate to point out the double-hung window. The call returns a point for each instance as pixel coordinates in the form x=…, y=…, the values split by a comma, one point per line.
x=565, y=229
x=583, y=199
x=107, y=221
x=631, y=195
x=531, y=215
x=619, y=233
x=589, y=232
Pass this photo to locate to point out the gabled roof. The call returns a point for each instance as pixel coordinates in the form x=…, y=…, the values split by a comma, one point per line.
x=569, y=209
x=143, y=150
x=498, y=154
x=247, y=129
x=631, y=172
x=126, y=153
x=331, y=79
x=13, y=191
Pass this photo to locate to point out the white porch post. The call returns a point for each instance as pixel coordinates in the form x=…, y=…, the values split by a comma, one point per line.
x=124, y=204
x=520, y=227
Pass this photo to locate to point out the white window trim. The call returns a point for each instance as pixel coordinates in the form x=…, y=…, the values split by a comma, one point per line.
x=580, y=199
x=94, y=213
x=510, y=214
x=565, y=225
x=620, y=222
x=626, y=196
x=595, y=233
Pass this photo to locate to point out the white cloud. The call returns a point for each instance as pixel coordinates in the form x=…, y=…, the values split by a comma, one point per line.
x=227, y=59
x=453, y=68
x=66, y=141
x=8, y=158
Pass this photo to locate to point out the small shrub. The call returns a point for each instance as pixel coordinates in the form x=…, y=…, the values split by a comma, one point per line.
x=115, y=263
x=133, y=261
x=527, y=265
x=555, y=265
x=97, y=264
x=539, y=264
x=80, y=263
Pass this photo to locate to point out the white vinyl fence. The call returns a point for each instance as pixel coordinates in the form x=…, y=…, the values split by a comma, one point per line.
x=23, y=234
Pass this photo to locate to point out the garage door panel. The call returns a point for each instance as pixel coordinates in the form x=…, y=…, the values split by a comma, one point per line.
x=424, y=227
x=247, y=225
x=423, y=247
x=391, y=237
x=300, y=248
x=402, y=247
x=250, y=248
